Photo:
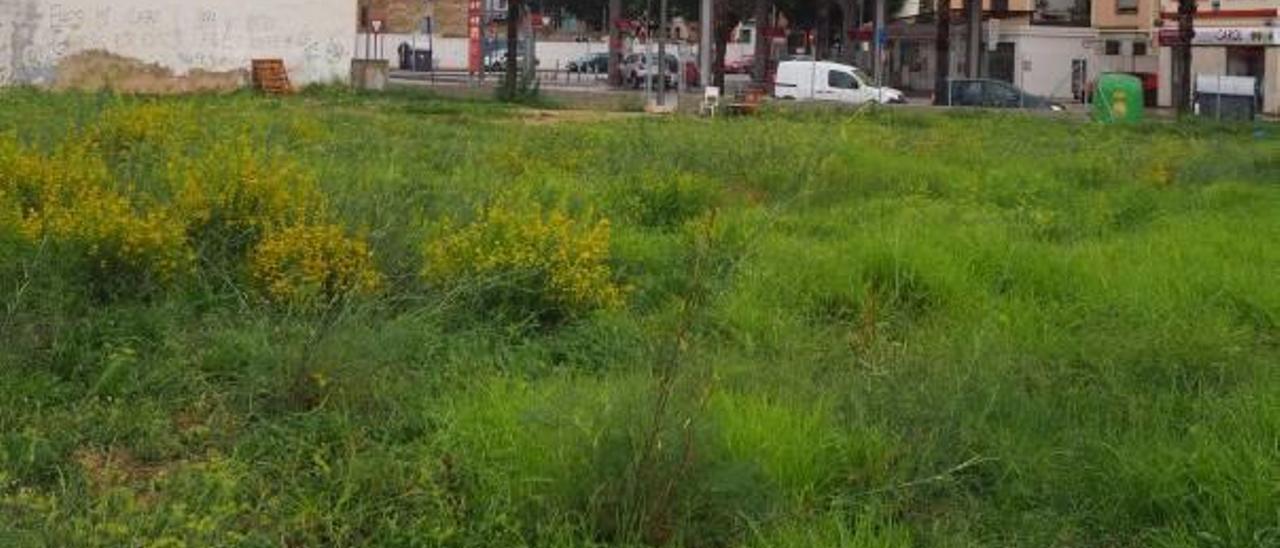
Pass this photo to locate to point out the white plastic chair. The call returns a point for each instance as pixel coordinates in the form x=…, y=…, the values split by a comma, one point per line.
x=710, y=100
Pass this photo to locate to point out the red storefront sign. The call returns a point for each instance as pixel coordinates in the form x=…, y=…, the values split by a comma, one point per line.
x=475, y=42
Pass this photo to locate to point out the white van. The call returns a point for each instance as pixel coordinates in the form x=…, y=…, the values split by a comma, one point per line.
x=826, y=81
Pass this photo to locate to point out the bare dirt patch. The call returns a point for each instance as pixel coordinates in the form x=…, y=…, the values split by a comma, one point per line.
x=113, y=467
x=544, y=117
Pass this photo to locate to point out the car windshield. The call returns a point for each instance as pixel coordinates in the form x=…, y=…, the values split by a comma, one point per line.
x=865, y=78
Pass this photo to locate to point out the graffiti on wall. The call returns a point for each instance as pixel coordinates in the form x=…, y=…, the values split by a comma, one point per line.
x=312, y=35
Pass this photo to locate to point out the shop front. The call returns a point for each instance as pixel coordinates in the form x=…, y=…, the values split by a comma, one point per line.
x=1251, y=51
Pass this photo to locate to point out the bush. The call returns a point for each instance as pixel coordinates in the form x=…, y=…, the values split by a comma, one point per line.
x=65, y=201
x=234, y=195
x=527, y=262
x=313, y=265
x=119, y=247
x=668, y=201
x=126, y=128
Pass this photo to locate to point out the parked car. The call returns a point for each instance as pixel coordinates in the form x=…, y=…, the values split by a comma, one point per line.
x=636, y=67
x=597, y=63
x=827, y=81
x=496, y=61
x=981, y=92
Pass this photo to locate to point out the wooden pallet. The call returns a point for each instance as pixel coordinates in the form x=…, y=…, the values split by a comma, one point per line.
x=270, y=76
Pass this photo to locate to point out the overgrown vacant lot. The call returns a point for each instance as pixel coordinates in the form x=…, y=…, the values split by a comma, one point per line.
x=345, y=320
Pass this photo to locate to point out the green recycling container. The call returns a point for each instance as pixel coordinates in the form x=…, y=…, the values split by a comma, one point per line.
x=1117, y=98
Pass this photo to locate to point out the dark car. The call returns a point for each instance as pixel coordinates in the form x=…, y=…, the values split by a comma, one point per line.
x=994, y=94
x=496, y=61
x=597, y=63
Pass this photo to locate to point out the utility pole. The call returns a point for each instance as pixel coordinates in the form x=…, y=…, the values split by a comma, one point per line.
x=704, y=44
x=662, y=53
x=975, y=38
x=942, y=53
x=531, y=38
x=763, y=50
x=1182, y=57
x=877, y=46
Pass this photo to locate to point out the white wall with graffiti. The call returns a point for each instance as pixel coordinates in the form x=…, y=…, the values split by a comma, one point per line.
x=314, y=37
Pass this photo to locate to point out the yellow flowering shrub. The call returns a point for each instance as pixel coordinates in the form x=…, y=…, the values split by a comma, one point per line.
x=66, y=201
x=312, y=265
x=124, y=127
x=120, y=244
x=233, y=195
x=10, y=217
x=541, y=263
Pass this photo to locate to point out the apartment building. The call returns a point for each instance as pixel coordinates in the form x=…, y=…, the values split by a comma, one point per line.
x=1232, y=38
x=1043, y=46
x=1125, y=36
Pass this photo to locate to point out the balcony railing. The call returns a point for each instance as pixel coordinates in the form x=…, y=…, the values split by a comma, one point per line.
x=1064, y=13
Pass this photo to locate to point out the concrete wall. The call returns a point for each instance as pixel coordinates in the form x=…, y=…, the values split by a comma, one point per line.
x=1204, y=60
x=451, y=53
x=314, y=37
x=1044, y=56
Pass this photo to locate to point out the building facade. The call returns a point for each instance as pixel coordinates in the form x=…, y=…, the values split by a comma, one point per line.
x=1232, y=38
x=46, y=42
x=1041, y=46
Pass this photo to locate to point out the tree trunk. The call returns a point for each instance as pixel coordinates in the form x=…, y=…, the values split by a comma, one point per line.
x=615, y=43
x=822, y=31
x=942, y=52
x=513, y=45
x=878, y=35
x=848, y=25
x=760, y=63
x=724, y=27
x=1182, y=57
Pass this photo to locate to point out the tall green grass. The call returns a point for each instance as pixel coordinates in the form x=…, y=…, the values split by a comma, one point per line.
x=885, y=329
